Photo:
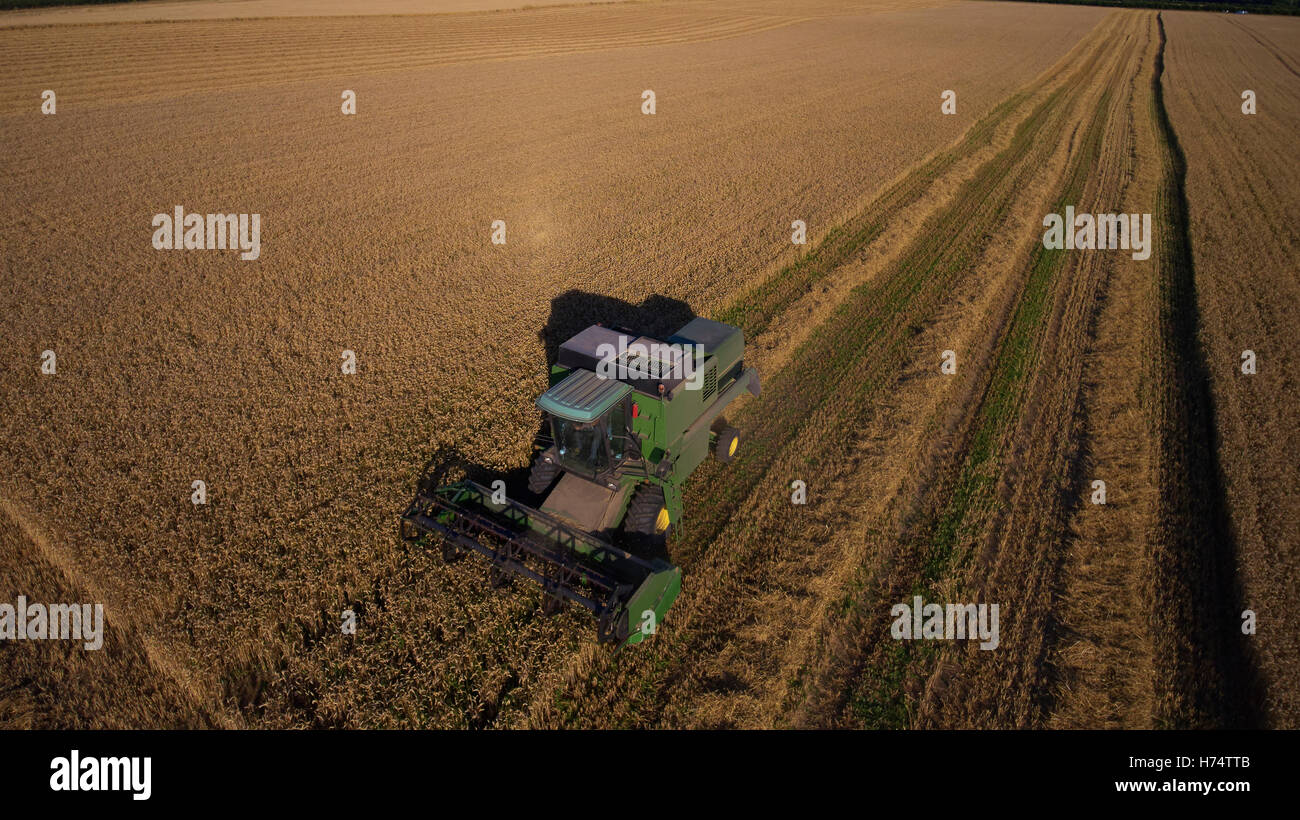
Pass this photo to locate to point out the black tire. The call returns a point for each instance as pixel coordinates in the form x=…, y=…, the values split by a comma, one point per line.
x=543, y=473
x=647, y=514
x=724, y=449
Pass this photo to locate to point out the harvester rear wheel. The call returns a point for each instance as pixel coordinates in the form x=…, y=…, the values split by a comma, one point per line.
x=542, y=474
x=724, y=449
x=647, y=515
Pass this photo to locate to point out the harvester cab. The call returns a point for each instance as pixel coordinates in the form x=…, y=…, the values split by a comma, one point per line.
x=629, y=419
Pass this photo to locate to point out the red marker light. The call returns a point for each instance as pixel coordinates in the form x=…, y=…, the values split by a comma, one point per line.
x=636, y=411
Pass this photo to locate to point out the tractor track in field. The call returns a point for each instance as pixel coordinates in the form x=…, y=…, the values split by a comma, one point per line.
x=1268, y=45
x=869, y=679
x=880, y=469
x=995, y=527
x=37, y=567
x=771, y=576
x=1015, y=545
x=1097, y=668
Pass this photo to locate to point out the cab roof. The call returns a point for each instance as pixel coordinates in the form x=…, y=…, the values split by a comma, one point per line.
x=583, y=396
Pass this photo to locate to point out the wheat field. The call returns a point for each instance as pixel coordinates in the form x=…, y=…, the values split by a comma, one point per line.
x=924, y=235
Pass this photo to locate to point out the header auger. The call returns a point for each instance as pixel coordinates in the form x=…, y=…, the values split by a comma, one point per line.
x=629, y=419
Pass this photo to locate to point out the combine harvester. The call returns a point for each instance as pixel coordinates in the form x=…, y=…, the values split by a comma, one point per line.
x=630, y=418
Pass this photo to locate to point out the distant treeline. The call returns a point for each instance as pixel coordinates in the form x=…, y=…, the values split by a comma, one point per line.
x=1251, y=6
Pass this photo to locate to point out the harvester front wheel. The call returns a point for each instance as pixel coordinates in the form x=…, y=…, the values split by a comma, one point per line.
x=543, y=473
x=724, y=449
x=647, y=515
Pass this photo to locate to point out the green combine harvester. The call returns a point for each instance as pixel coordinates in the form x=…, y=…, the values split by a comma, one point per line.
x=629, y=419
